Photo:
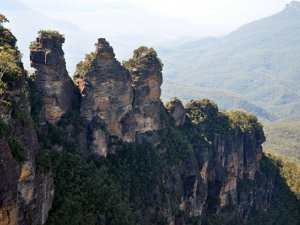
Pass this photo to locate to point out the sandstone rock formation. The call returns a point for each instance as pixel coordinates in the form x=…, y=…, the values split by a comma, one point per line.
x=106, y=96
x=230, y=162
x=204, y=159
x=145, y=68
x=26, y=194
x=176, y=109
x=52, y=78
x=116, y=102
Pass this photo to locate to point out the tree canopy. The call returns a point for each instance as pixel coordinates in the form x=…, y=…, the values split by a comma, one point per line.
x=3, y=19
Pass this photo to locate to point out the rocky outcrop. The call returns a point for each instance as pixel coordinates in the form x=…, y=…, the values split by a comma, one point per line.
x=107, y=93
x=177, y=111
x=118, y=103
x=26, y=195
x=56, y=87
x=198, y=161
x=145, y=68
x=106, y=96
x=229, y=163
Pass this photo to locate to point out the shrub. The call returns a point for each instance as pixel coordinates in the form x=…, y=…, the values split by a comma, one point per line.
x=142, y=57
x=51, y=34
x=35, y=97
x=17, y=149
x=4, y=129
x=20, y=115
x=7, y=38
x=9, y=70
x=83, y=66
x=243, y=120
x=43, y=161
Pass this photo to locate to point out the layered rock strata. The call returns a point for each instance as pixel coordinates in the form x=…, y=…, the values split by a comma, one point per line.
x=177, y=111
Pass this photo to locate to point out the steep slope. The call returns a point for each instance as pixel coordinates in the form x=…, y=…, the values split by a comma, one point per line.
x=51, y=76
x=285, y=203
x=26, y=192
x=100, y=160
x=259, y=61
x=203, y=163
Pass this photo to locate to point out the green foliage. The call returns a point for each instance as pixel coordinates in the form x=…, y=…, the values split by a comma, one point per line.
x=4, y=129
x=254, y=68
x=283, y=138
x=51, y=34
x=198, y=111
x=176, y=145
x=17, y=149
x=35, y=97
x=83, y=66
x=55, y=135
x=2, y=87
x=47, y=34
x=19, y=115
x=211, y=219
x=85, y=193
x=284, y=205
x=7, y=38
x=3, y=19
x=72, y=118
x=243, y=120
x=226, y=99
x=142, y=57
x=9, y=59
x=43, y=161
x=137, y=168
x=206, y=116
x=288, y=170
x=9, y=70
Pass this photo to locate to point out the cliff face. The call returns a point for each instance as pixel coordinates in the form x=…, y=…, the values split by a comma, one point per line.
x=216, y=174
x=107, y=97
x=26, y=193
x=145, y=69
x=56, y=87
x=177, y=111
x=173, y=165
x=116, y=101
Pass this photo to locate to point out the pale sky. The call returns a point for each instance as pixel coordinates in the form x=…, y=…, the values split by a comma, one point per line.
x=128, y=24
x=168, y=17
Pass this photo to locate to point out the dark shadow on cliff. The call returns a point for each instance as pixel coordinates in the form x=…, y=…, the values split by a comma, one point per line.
x=285, y=206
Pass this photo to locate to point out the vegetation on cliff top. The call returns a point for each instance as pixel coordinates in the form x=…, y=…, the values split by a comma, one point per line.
x=285, y=201
x=47, y=34
x=51, y=34
x=142, y=58
x=243, y=120
x=10, y=59
x=82, y=67
x=113, y=190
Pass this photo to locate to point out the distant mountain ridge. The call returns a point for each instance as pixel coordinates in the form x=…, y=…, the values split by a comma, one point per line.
x=259, y=62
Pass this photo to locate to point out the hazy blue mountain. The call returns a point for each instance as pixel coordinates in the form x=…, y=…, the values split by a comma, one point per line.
x=25, y=22
x=259, y=62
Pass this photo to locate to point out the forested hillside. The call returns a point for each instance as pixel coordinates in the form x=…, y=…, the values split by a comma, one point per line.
x=258, y=64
